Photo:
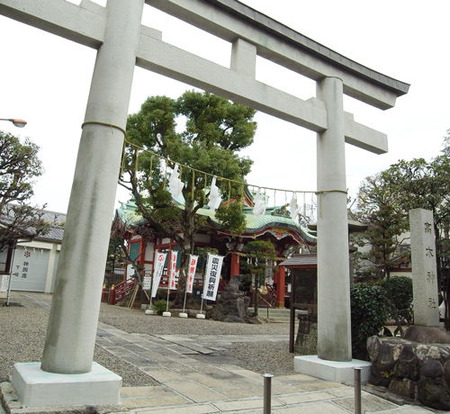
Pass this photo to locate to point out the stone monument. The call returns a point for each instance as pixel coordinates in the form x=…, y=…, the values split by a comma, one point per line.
x=424, y=271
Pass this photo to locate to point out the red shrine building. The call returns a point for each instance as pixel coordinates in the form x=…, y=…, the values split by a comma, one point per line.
x=275, y=225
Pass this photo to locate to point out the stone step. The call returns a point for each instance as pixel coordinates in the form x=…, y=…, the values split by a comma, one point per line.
x=275, y=315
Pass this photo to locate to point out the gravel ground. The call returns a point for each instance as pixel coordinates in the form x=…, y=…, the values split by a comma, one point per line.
x=23, y=331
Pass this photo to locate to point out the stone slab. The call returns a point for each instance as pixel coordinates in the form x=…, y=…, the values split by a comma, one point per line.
x=424, y=268
x=406, y=409
x=336, y=371
x=317, y=408
x=191, y=409
x=38, y=388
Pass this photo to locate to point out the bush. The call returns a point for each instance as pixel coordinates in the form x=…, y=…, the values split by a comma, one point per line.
x=399, y=292
x=369, y=312
x=159, y=306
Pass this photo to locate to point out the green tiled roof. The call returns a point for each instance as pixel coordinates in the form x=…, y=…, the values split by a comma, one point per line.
x=254, y=224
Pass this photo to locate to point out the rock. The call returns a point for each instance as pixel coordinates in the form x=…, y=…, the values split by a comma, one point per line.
x=380, y=376
x=383, y=353
x=432, y=393
x=424, y=352
x=373, y=347
x=426, y=335
x=431, y=368
x=407, y=364
x=390, y=352
x=417, y=371
x=232, y=304
x=445, y=353
x=403, y=387
x=447, y=373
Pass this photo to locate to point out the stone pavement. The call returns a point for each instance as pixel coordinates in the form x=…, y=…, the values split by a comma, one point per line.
x=193, y=381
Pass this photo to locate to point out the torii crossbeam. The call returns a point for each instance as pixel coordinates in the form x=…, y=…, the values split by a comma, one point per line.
x=122, y=42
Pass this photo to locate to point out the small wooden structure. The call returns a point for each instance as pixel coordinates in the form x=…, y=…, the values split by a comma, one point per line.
x=303, y=269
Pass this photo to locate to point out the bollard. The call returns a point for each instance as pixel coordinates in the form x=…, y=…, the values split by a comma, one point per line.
x=267, y=393
x=112, y=295
x=357, y=387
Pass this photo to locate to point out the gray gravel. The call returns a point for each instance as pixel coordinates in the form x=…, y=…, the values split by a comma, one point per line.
x=23, y=331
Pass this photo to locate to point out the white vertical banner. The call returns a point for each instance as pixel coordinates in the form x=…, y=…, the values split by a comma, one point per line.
x=130, y=271
x=172, y=270
x=212, y=276
x=191, y=273
x=4, y=282
x=146, y=282
x=159, y=267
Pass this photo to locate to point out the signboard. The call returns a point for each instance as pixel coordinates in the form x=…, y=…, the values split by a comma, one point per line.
x=159, y=266
x=130, y=271
x=146, y=283
x=191, y=273
x=173, y=270
x=212, y=276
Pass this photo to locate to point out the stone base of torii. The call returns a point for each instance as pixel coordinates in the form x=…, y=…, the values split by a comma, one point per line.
x=122, y=43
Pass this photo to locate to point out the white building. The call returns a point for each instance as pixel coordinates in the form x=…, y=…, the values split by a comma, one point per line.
x=34, y=262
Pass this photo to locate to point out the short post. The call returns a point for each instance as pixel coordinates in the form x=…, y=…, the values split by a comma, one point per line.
x=112, y=295
x=8, y=289
x=267, y=393
x=357, y=387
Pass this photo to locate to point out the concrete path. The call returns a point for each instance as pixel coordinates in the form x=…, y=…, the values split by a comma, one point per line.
x=192, y=380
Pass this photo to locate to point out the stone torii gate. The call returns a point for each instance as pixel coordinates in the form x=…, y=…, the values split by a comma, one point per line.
x=122, y=42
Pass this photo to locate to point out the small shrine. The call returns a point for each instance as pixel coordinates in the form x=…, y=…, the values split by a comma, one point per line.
x=275, y=225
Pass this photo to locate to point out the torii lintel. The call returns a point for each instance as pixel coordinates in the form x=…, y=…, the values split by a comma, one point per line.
x=251, y=34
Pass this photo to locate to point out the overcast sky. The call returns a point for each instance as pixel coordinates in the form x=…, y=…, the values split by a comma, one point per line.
x=45, y=80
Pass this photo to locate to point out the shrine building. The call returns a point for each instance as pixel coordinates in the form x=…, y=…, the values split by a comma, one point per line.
x=275, y=225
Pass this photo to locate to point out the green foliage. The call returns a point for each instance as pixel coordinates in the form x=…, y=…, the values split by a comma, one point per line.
x=385, y=199
x=200, y=133
x=215, y=130
x=259, y=252
x=369, y=312
x=384, y=202
x=399, y=294
x=19, y=166
x=379, y=208
x=159, y=306
x=231, y=217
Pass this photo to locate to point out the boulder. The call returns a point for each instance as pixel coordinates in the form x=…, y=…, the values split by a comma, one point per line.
x=427, y=335
x=446, y=374
x=431, y=368
x=407, y=365
x=413, y=370
x=232, y=304
x=403, y=387
x=433, y=393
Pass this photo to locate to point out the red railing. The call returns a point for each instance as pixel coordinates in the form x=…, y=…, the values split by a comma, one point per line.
x=117, y=293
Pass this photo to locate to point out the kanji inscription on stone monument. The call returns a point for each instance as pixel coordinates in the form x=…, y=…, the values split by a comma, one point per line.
x=423, y=256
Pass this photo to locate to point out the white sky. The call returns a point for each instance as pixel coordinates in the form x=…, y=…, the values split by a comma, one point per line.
x=45, y=80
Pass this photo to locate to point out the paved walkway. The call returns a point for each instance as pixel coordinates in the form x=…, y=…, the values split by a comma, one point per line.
x=192, y=381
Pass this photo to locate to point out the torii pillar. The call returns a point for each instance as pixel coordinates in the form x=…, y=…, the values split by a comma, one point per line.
x=72, y=327
x=334, y=346
x=333, y=273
